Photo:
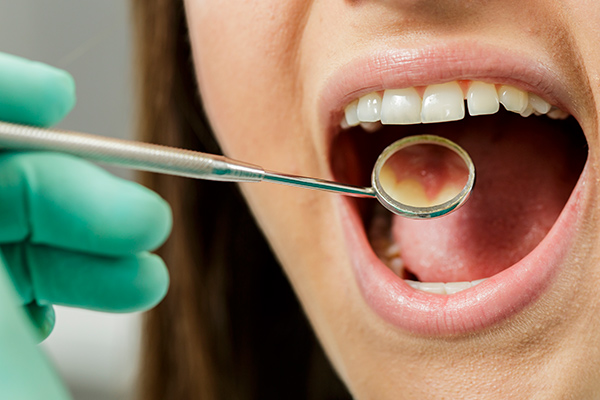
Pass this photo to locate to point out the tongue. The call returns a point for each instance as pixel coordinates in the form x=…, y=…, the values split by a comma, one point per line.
x=526, y=170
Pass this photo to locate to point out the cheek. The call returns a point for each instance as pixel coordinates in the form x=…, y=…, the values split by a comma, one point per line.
x=246, y=55
x=244, y=58
x=583, y=17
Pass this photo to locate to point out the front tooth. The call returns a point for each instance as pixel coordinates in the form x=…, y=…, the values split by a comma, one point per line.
x=443, y=102
x=455, y=287
x=513, y=99
x=538, y=104
x=401, y=107
x=413, y=284
x=369, y=107
x=351, y=113
x=443, y=288
x=433, y=287
x=482, y=99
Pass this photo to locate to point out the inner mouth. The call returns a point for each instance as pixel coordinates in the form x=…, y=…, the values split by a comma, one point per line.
x=526, y=171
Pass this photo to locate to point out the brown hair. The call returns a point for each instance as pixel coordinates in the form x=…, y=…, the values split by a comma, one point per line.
x=230, y=326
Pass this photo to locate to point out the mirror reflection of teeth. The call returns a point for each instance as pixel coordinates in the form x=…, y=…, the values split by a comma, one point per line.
x=441, y=103
x=412, y=192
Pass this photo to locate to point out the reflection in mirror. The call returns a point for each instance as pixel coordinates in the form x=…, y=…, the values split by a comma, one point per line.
x=424, y=175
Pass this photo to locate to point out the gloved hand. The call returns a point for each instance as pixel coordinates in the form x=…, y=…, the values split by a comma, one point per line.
x=70, y=234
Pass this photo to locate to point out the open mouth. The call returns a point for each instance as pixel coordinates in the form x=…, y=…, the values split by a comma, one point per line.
x=529, y=155
x=528, y=159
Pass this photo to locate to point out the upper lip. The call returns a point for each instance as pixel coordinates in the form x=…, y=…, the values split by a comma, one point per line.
x=501, y=296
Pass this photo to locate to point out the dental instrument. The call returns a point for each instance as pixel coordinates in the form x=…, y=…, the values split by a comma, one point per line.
x=173, y=161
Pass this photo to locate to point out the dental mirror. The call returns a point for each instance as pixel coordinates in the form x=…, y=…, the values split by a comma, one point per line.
x=417, y=177
x=423, y=176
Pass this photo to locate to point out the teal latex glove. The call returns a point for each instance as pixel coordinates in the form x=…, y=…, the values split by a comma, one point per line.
x=70, y=234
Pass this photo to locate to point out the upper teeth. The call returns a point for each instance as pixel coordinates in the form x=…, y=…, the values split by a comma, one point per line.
x=443, y=102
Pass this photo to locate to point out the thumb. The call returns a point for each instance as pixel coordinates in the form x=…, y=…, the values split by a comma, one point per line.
x=25, y=372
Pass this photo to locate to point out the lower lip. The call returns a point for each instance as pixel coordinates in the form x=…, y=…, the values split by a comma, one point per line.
x=490, y=302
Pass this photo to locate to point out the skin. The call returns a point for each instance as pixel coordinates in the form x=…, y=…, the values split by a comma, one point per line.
x=260, y=73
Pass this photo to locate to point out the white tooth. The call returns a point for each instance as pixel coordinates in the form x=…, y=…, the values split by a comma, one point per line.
x=528, y=111
x=343, y=123
x=538, y=104
x=557, y=113
x=513, y=99
x=433, y=287
x=396, y=265
x=401, y=107
x=371, y=126
x=443, y=288
x=455, y=287
x=352, y=114
x=393, y=250
x=413, y=284
x=482, y=99
x=443, y=102
x=369, y=107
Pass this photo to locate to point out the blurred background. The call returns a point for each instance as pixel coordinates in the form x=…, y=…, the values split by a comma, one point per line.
x=96, y=353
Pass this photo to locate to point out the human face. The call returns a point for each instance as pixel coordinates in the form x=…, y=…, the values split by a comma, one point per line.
x=275, y=78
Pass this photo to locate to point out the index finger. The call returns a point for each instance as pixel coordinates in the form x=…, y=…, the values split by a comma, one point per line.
x=61, y=201
x=34, y=93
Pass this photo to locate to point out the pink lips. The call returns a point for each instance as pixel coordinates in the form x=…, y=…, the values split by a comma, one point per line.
x=507, y=292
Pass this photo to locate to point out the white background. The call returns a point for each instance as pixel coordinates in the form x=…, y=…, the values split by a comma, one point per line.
x=95, y=353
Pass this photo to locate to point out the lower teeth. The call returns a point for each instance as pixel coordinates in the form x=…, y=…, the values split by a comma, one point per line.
x=443, y=288
x=389, y=253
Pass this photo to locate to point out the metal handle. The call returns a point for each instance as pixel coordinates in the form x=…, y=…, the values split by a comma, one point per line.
x=320, y=184
x=129, y=154
x=156, y=158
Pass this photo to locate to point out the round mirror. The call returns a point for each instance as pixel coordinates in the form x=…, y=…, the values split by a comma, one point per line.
x=423, y=176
